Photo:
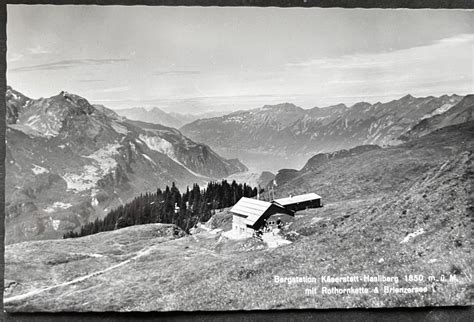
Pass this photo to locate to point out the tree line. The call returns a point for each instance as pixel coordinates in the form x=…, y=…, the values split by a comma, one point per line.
x=170, y=206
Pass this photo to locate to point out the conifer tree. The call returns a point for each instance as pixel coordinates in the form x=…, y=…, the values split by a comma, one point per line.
x=194, y=206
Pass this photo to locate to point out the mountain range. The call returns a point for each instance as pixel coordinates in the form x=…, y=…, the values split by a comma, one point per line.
x=69, y=162
x=458, y=114
x=158, y=116
x=285, y=135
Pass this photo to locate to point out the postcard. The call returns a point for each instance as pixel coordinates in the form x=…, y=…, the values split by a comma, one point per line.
x=164, y=158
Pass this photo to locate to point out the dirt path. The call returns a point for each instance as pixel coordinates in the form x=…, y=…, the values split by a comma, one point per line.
x=144, y=252
x=141, y=253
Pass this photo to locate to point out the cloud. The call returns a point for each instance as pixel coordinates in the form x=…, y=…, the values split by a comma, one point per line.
x=38, y=50
x=444, y=60
x=353, y=62
x=176, y=73
x=384, y=60
x=90, y=80
x=116, y=89
x=14, y=57
x=65, y=64
x=462, y=38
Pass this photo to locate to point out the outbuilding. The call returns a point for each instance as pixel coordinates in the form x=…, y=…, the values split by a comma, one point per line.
x=299, y=202
x=249, y=215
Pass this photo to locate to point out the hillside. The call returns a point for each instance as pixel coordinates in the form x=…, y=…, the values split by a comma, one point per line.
x=68, y=162
x=372, y=170
x=460, y=113
x=284, y=135
x=158, y=116
x=396, y=211
x=251, y=135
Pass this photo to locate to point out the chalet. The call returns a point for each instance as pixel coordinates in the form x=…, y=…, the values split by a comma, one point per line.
x=300, y=202
x=249, y=215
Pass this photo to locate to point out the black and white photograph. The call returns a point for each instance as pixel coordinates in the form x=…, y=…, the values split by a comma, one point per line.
x=173, y=158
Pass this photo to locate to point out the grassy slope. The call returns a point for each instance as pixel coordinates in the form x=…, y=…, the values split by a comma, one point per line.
x=372, y=201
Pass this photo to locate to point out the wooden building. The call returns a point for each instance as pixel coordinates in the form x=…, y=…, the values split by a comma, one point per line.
x=249, y=215
x=279, y=220
x=300, y=202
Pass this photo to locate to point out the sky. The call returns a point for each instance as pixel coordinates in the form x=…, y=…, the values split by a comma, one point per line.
x=201, y=59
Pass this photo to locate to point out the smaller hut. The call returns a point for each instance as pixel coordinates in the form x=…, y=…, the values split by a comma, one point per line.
x=300, y=202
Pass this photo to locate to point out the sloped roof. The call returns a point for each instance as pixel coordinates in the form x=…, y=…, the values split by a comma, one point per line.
x=252, y=209
x=297, y=199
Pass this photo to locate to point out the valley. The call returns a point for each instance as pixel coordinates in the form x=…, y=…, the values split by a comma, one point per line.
x=393, y=212
x=288, y=135
x=157, y=115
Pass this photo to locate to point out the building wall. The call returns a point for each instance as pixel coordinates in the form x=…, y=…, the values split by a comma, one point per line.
x=283, y=217
x=239, y=226
x=304, y=205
